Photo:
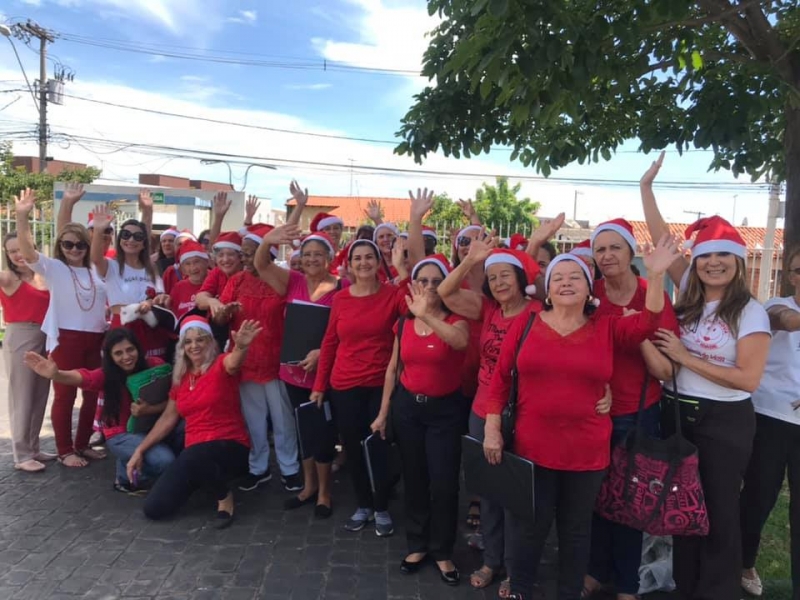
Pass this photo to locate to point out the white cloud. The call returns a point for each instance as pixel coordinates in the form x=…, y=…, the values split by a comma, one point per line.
x=313, y=87
x=32, y=2
x=157, y=58
x=246, y=17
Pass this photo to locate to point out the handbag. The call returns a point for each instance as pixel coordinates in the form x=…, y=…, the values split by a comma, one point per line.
x=653, y=485
x=508, y=417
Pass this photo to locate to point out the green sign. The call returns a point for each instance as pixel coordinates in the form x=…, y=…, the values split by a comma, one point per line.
x=158, y=197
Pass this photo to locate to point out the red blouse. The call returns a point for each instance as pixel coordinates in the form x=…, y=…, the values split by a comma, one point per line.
x=561, y=379
x=171, y=276
x=428, y=362
x=214, y=282
x=28, y=304
x=211, y=409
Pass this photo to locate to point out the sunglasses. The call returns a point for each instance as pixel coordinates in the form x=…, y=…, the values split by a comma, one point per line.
x=464, y=241
x=138, y=236
x=67, y=245
x=433, y=282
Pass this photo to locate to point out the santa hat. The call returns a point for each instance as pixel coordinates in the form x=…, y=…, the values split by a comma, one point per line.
x=440, y=260
x=294, y=254
x=323, y=220
x=429, y=232
x=620, y=226
x=323, y=238
x=714, y=234
x=256, y=232
x=90, y=222
x=517, y=241
x=192, y=322
x=230, y=240
x=466, y=230
x=517, y=258
x=358, y=243
x=574, y=258
x=185, y=234
x=583, y=249
x=171, y=231
x=403, y=235
x=191, y=249
x=390, y=226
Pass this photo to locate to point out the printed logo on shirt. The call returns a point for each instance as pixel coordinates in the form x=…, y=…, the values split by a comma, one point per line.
x=188, y=305
x=710, y=334
x=490, y=351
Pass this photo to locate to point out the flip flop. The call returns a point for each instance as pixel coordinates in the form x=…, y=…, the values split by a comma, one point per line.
x=484, y=577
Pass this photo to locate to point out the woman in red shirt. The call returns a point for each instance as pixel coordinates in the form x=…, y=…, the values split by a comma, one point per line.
x=563, y=366
x=206, y=394
x=24, y=299
x=122, y=356
x=616, y=549
x=352, y=365
x=427, y=417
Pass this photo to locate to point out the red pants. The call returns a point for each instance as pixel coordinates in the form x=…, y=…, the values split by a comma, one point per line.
x=75, y=350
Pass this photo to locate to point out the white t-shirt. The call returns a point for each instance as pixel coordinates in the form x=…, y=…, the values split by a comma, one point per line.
x=77, y=299
x=780, y=385
x=131, y=286
x=711, y=340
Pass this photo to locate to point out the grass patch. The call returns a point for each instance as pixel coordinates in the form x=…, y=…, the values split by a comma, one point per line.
x=773, y=556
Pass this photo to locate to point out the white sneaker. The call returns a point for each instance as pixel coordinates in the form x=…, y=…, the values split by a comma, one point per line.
x=753, y=586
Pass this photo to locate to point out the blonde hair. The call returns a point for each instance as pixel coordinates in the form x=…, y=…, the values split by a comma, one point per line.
x=80, y=232
x=182, y=364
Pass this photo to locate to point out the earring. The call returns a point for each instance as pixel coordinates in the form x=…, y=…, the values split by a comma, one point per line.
x=548, y=302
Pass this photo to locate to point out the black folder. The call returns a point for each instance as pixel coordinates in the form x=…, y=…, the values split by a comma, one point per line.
x=311, y=424
x=383, y=461
x=303, y=330
x=509, y=484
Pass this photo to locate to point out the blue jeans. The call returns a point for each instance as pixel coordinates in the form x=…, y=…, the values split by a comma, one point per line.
x=616, y=549
x=156, y=460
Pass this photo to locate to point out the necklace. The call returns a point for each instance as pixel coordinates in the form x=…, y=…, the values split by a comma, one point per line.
x=193, y=377
x=81, y=291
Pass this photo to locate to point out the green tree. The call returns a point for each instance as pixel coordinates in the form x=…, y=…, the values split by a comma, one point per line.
x=444, y=211
x=498, y=205
x=571, y=80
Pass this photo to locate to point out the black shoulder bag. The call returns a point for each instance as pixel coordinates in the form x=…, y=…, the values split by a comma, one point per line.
x=509, y=415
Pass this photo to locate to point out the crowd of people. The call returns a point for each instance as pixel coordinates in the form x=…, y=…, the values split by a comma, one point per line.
x=420, y=348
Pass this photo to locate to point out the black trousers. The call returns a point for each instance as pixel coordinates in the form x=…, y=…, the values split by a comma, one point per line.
x=326, y=446
x=428, y=434
x=710, y=567
x=566, y=497
x=209, y=465
x=776, y=448
x=354, y=410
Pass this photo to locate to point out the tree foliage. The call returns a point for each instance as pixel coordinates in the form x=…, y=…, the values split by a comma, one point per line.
x=498, y=203
x=444, y=211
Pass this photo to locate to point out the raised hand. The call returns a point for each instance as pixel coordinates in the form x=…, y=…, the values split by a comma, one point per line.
x=102, y=217
x=422, y=203
x=247, y=332
x=285, y=234
x=374, y=211
x=479, y=250
x=221, y=204
x=467, y=208
x=251, y=207
x=44, y=367
x=25, y=202
x=658, y=258
x=72, y=193
x=545, y=233
x=650, y=175
x=299, y=194
x=399, y=253
x=417, y=300
x=145, y=200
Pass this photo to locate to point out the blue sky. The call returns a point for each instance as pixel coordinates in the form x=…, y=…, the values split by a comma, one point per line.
x=360, y=33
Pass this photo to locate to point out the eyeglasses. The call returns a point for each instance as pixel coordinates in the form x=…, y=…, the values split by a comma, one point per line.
x=463, y=241
x=67, y=245
x=138, y=236
x=795, y=271
x=433, y=282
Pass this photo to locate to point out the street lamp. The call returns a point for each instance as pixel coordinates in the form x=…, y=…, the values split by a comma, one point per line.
x=5, y=30
x=575, y=205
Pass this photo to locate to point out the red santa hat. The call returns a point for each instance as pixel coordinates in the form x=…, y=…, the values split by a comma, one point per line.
x=517, y=258
x=517, y=241
x=294, y=254
x=194, y=322
x=390, y=226
x=714, y=234
x=429, y=232
x=90, y=222
x=256, y=232
x=185, y=234
x=191, y=249
x=358, y=243
x=583, y=249
x=170, y=231
x=577, y=260
x=230, y=240
x=620, y=226
x=440, y=260
x=323, y=220
x=323, y=238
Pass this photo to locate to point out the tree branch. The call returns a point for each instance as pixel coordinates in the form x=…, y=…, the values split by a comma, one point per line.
x=731, y=10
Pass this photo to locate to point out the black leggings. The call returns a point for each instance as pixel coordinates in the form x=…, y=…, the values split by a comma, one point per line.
x=325, y=447
x=209, y=465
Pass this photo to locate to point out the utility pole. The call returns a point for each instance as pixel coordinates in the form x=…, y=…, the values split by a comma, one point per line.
x=765, y=269
x=32, y=30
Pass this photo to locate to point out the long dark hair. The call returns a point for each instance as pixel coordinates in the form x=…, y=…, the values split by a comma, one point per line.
x=11, y=235
x=115, y=377
x=144, y=254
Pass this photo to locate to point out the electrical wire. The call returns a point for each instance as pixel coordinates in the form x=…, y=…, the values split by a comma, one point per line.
x=22, y=67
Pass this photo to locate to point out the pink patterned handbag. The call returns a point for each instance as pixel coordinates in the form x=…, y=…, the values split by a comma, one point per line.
x=654, y=485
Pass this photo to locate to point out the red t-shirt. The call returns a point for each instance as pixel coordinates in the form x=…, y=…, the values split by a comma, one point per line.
x=94, y=381
x=385, y=276
x=629, y=365
x=358, y=341
x=211, y=409
x=171, y=276
x=182, y=297
x=214, y=283
x=493, y=331
x=340, y=261
x=561, y=379
x=427, y=361
x=27, y=304
x=260, y=302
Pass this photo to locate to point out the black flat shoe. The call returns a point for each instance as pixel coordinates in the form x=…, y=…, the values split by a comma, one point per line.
x=295, y=502
x=223, y=520
x=409, y=568
x=450, y=577
x=322, y=511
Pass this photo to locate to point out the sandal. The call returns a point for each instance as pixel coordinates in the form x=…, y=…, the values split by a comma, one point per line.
x=505, y=588
x=73, y=460
x=482, y=578
x=30, y=466
x=474, y=514
x=92, y=453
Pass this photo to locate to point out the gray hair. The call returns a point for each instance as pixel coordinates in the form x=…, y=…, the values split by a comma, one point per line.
x=182, y=364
